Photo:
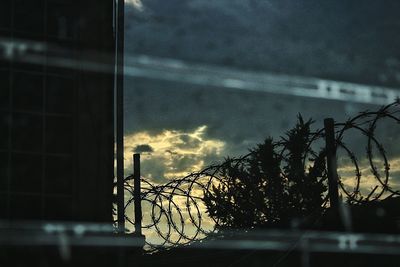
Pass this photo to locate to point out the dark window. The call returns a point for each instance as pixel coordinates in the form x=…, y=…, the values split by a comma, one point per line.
x=5, y=12
x=58, y=208
x=5, y=119
x=27, y=132
x=29, y=16
x=4, y=171
x=59, y=172
x=26, y=173
x=4, y=64
x=4, y=89
x=25, y=207
x=3, y=206
x=28, y=91
x=61, y=20
x=59, y=134
x=59, y=95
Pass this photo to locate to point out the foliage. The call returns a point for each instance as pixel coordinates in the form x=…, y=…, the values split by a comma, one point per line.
x=273, y=185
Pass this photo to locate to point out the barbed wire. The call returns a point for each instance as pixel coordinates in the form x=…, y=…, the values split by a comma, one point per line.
x=175, y=212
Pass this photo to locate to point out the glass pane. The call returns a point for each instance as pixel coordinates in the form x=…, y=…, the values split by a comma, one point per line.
x=4, y=89
x=59, y=134
x=27, y=132
x=26, y=173
x=4, y=172
x=27, y=91
x=5, y=119
x=58, y=208
x=59, y=95
x=62, y=19
x=5, y=14
x=25, y=207
x=29, y=16
x=59, y=175
x=3, y=206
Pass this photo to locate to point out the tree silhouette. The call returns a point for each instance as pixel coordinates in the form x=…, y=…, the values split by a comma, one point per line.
x=273, y=185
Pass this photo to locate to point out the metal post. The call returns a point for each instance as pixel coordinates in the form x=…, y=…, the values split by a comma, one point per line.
x=120, y=114
x=136, y=192
x=331, y=161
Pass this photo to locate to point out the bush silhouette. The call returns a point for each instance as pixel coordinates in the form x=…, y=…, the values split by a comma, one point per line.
x=276, y=183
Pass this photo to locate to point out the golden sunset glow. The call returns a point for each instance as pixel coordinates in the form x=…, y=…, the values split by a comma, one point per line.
x=368, y=181
x=171, y=153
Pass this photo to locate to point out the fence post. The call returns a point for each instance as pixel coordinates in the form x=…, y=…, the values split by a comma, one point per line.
x=136, y=194
x=331, y=162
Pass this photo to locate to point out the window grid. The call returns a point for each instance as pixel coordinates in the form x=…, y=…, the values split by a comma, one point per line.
x=44, y=74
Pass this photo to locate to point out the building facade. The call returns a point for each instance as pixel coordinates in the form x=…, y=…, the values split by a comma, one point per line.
x=56, y=119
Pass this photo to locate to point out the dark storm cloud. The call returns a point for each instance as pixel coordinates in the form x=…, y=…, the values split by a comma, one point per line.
x=143, y=149
x=188, y=142
x=341, y=40
x=185, y=163
x=155, y=167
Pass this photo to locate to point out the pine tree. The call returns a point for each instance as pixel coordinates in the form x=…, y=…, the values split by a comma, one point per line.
x=267, y=189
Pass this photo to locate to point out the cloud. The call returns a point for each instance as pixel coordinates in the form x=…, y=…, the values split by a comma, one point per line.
x=143, y=149
x=368, y=181
x=137, y=4
x=174, y=153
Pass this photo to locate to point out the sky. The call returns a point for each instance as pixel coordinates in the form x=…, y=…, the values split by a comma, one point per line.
x=176, y=122
x=180, y=128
